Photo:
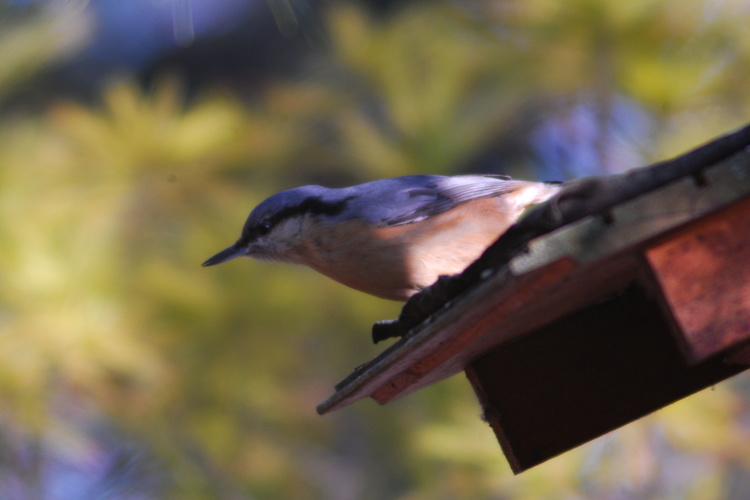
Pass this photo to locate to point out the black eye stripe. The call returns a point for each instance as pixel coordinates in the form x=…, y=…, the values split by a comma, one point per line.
x=313, y=206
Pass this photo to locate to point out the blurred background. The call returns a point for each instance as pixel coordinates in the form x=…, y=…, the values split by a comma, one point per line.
x=135, y=136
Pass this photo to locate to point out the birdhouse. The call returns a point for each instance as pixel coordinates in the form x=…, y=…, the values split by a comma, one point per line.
x=616, y=298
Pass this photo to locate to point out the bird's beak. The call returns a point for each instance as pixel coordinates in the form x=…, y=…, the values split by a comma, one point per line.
x=227, y=254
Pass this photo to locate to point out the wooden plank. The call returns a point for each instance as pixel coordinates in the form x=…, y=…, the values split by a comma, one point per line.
x=522, y=294
x=547, y=305
x=585, y=375
x=704, y=277
x=392, y=365
x=642, y=219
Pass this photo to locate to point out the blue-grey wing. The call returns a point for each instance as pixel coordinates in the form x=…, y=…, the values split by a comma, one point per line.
x=403, y=200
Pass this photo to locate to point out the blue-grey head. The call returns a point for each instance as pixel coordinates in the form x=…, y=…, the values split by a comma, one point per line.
x=274, y=229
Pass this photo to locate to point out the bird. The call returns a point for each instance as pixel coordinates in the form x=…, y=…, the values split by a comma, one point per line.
x=390, y=238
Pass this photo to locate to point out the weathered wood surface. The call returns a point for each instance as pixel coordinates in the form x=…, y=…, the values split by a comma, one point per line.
x=585, y=375
x=704, y=278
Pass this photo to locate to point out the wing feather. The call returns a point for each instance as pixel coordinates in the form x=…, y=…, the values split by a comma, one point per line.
x=403, y=200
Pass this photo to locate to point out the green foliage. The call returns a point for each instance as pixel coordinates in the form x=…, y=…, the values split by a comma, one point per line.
x=107, y=210
x=437, y=81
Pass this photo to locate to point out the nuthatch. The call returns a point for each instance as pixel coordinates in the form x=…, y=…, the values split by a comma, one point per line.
x=390, y=237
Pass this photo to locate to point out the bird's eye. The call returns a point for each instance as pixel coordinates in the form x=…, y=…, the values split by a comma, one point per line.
x=264, y=227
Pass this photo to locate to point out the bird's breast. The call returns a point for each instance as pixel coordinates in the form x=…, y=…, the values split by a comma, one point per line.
x=394, y=262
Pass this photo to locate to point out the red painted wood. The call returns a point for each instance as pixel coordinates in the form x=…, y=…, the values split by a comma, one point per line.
x=508, y=301
x=585, y=375
x=704, y=275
